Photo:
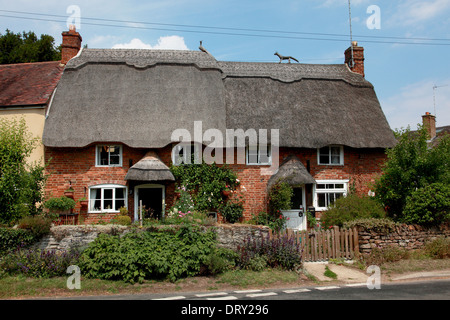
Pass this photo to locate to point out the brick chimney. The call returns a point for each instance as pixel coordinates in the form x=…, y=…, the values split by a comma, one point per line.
x=429, y=122
x=357, y=64
x=71, y=44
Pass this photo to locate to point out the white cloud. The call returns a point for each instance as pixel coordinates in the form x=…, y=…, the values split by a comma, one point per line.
x=413, y=11
x=407, y=107
x=168, y=43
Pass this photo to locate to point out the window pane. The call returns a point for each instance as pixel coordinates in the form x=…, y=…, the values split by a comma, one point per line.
x=335, y=159
x=321, y=199
x=95, y=200
x=335, y=151
x=339, y=186
x=252, y=154
x=264, y=154
x=320, y=186
x=297, y=198
x=119, y=203
x=120, y=193
x=102, y=155
x=107, y=193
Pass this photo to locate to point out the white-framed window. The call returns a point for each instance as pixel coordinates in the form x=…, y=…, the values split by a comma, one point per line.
x=108, y=156
x=185, y=153
x=107, y=198
x=331, y=155
x=259, y=155
x=328, y=191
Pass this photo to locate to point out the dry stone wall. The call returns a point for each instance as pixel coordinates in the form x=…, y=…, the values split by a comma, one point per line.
x=404, y=236
x=67, y=237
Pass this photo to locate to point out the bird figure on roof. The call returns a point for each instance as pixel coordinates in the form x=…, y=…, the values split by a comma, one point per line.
x=284, y=57
x=202, y=48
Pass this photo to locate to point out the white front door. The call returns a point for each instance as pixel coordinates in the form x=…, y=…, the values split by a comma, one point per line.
x=297, y=215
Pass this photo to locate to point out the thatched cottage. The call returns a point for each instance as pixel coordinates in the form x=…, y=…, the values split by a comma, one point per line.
x=109, y=128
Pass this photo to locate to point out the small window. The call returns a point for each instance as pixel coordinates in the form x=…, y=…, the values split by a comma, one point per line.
x=259, y=155
x=109, y=156
x=107, y=198
x=331, y=155
x=327, y=192
x=185, y=154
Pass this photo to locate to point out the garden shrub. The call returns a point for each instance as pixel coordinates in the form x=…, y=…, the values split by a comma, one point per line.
x=429, y=205
x=10, y=239
x=372, y=224
x=137, y=256
x=349, y=208
x=280, y=195
x=232, y=211
x=275, y=222
x=438, y=248
x=205, y=183
x=379, y=255
x=220, y=260
x=39, y=226
x=60, y=204
x=122, y=220
x=283, y=252
x=39, y=263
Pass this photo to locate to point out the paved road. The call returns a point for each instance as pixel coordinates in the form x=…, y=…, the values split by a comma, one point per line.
x=416, y=290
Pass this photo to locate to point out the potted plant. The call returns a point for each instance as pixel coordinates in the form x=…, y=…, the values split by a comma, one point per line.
x=227, y=191
x=69, y=192
x=61, y=205
x=83, y=201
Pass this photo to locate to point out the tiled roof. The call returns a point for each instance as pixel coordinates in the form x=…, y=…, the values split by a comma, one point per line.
x=26, y=84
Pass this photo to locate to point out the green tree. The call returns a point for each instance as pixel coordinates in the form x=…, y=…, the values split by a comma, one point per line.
x=411, y=165
x=21, y=184
x=26, y=47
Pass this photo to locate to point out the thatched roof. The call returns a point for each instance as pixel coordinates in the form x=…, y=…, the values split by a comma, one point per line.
x=150, y=168
x=139, y=97
x=291, y=171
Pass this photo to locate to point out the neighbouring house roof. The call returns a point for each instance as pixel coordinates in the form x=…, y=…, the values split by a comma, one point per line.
x=139, y=97
x=150, y=168
x=28, y=84
x=291, y=171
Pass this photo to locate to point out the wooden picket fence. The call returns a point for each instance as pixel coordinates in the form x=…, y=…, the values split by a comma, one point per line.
x=328, y=244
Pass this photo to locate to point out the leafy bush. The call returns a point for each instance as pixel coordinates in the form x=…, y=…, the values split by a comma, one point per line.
x=37, y=225
x=349, y=208
x=280, y=195
x=411, y=165
x=232, y=211
x=274, y=222
x=438, y=248
x=171, y=254
x=21, y=184
x=10, y=239
x=205, y=183
x=429, y=205
x=283, y=252
x=379, y=255
x=39, y=263
x=60, y=204
x=375, y=224
x=122, y=220
x=220, y=260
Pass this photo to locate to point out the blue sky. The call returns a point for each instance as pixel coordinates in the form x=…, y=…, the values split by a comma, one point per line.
x=402, y=68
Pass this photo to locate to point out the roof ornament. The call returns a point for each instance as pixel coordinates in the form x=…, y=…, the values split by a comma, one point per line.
x=284, y=57
x=202, y=48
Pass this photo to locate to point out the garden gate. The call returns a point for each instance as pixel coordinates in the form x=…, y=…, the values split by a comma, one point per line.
x=323, y=245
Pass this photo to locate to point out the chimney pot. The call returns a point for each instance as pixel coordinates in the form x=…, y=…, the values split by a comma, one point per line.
x=429, y=122
x=356, y=64
x=71, y=44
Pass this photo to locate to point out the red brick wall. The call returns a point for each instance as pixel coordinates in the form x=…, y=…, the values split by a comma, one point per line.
x=361, y=166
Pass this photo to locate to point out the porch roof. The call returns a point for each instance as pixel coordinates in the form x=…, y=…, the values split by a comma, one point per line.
x=291, y=171
x=150, y=168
